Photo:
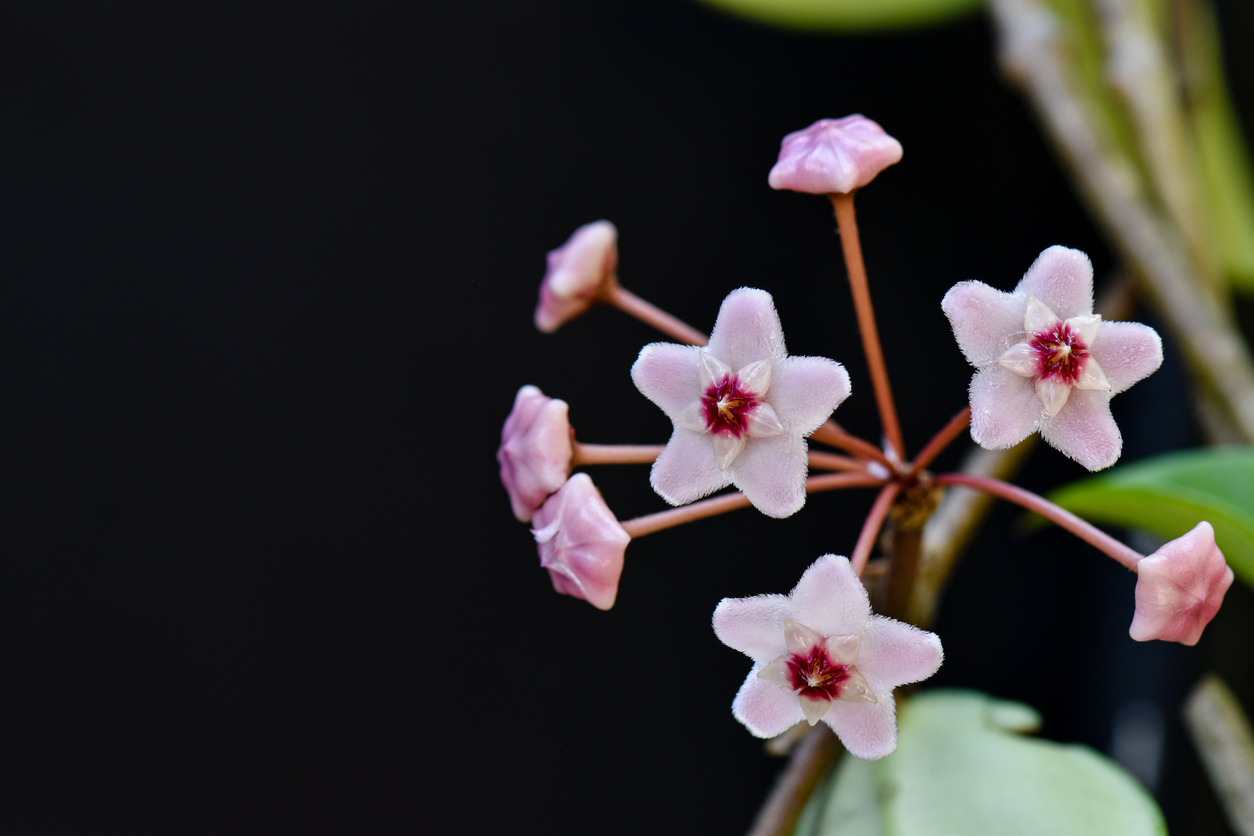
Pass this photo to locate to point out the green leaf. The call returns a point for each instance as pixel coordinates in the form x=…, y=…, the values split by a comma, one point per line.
x=847, y=15
x=961, y=767
x=1169, y=494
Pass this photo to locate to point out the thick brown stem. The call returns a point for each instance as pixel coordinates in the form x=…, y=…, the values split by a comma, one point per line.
x=796, y=783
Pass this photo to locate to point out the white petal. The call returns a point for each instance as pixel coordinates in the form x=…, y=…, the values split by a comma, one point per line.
x=983, y=319
x=1053, y=395
x=855, y=688
x=813, y=707
x=765, y=709
x=1128, y=352
x=830, y=599
x=667, y=374
x=1085, y=431
x=1085, y=327
x=1062, y=278
x=747, y=329
x=868, y=730
x=727, y=446
x=772, y=473
x=763, y=421
x=805, y=390
x=756, y=377
x=1004, y=408
x=1039, y=317
x=692, y=417
x=712, y=370
x=686, y=470
x=895, y=653
x=800, y=639
x=754, y=626
x=1092, y=377
x=1022, y=359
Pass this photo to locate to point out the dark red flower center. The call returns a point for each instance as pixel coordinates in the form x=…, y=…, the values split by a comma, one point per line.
x=1061, y=351
x=815, y=675
x=727, y=404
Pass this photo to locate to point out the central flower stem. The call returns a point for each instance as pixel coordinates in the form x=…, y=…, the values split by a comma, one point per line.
x=847, y=222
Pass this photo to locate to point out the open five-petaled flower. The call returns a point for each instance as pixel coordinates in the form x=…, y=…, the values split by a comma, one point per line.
x=741, y=408
x=1180, y=587
x=1046, y=361
x=819, y=654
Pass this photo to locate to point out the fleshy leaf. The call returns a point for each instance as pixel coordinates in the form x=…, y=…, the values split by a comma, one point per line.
x=960, y=767
x=1168, y=495
x=847, y=15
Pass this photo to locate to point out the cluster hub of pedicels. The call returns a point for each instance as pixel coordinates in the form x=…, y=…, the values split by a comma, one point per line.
x=742, y=410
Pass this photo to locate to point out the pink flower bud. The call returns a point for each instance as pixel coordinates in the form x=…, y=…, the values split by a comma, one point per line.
x=1179, y=588
x=578, y=273
x=581, y=542
x=536, y=451
x=834, y=156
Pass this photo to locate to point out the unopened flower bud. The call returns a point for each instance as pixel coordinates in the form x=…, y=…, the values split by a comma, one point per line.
x=1179, y=588
x=834, y=156
x=536, y=450
x=578, y=273
x=581, y=543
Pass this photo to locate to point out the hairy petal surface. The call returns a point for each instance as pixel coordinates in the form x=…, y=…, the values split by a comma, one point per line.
x=830, y=598
x=895, y=653
x=1127, y=352
x=1062, y=278
x=868, y=730
x=1084, y=430
x=668, y=374
x=772, y=474
x=747, y=329
x=754, y=626
x=1004, y=408
x=765, y=709
x=806, y=390
x=984, y=320
x=687, y=470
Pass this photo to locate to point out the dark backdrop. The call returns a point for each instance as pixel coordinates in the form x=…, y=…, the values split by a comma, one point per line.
x=266, y=280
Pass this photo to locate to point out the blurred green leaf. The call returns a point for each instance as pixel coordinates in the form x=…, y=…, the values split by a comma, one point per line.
x=847, y=15
x=961, y=767
x=1169, y=494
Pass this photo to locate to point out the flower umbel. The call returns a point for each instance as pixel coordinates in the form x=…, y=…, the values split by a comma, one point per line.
x=577, y=275
x=1046, y=362
x=820, y=654
x=581, y=543
x=1180, y=587
x=741, y=408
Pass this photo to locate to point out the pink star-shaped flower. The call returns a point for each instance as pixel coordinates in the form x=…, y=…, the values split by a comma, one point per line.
x=577, y=274
x=1046, y=361
x=581, y=543
x=1179, y=588
x=819, y=654
x=535, y=451
x=741, y=408
x=834, y=156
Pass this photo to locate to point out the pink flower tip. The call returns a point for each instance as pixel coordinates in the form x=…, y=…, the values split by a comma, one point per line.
x=820, y=654
x=581, y=543
x=578, y=274
x=834, y=156
x=536, y=450
x=1180, y=587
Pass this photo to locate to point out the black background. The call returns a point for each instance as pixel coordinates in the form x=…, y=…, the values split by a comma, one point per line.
x=266, y=281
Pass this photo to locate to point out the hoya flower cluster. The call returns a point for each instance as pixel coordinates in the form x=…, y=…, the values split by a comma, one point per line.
x=745, y=414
